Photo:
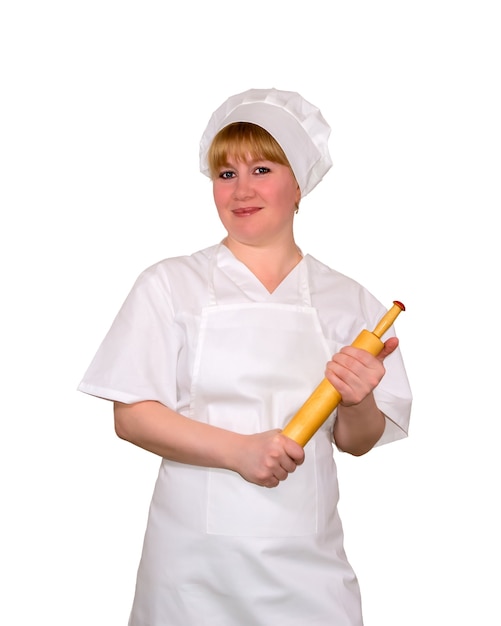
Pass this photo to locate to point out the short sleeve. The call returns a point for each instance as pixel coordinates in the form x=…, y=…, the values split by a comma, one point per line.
x=394, y=398
x=137, y=359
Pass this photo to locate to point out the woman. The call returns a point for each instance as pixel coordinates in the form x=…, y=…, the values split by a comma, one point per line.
x=208, y=359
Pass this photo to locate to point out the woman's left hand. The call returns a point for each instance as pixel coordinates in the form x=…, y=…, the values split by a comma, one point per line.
x=355, y=373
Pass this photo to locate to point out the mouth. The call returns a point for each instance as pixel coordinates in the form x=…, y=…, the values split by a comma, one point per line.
x=246, y=211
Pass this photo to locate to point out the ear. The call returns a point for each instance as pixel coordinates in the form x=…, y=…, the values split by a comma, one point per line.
x=298, y=196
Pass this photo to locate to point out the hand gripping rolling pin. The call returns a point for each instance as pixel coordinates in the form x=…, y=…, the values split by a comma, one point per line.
x=325, y=397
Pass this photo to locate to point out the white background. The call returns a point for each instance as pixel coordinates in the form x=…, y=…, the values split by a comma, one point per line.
x=102, y=108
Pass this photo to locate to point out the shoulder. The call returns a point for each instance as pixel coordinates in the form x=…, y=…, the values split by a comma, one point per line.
x=341, y=300
x=324, y=278
x=176, y=279
x=175, y=270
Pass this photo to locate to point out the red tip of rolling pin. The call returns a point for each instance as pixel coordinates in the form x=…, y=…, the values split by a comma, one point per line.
x=399, y=304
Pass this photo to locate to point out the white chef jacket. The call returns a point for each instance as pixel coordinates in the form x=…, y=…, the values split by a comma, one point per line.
x=149, y=354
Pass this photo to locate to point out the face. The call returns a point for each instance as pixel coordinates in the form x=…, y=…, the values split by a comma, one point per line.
x=256, y=200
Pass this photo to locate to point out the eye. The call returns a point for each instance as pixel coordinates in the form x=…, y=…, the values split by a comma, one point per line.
x=226, y=174
x=261, y=170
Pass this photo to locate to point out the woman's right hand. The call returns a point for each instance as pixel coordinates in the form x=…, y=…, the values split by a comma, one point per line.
x=267, y=458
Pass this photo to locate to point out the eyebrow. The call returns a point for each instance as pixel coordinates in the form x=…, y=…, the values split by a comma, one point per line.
x=251, y=162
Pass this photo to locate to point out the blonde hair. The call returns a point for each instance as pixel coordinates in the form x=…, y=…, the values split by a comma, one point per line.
x=242, y=140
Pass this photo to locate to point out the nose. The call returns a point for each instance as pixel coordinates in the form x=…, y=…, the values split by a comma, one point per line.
x=244, y=187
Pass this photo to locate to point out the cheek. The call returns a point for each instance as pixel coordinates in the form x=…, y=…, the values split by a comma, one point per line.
x=216, y=194
x=289, y=196
x=220, y=193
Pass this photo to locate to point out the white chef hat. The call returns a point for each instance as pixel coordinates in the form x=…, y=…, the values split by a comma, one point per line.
x=292, y=121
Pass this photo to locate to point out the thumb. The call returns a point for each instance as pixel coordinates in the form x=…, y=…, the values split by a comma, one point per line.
x=389, y=346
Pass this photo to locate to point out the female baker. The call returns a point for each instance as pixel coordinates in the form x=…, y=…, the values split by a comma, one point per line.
x=208, y=359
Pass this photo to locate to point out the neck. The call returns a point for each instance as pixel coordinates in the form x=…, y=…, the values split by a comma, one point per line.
x=270, y=264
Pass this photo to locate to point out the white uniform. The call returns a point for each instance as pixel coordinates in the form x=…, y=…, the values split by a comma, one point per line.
x=202, y=335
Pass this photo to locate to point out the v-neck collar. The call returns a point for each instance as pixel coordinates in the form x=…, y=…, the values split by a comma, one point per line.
x=248, y=282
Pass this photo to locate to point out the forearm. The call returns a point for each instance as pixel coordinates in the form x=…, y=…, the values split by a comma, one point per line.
x=358, y=427
x=158, y=429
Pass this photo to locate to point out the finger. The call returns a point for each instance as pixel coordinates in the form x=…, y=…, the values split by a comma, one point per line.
x=288, y=465
x=272, y=482
x=294, y=451
x=390, y=345
x=348, y=364
x=281, y=474
x=351, y=357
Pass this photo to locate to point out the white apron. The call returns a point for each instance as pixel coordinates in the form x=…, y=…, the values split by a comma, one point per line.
x=220, y=551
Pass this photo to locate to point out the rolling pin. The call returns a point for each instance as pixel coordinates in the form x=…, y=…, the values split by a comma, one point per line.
x=325, y=397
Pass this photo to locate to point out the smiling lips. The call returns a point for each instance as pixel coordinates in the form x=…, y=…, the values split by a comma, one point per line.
x=245, y=211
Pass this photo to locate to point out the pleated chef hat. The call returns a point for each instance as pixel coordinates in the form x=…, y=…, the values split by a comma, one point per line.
x=295, y=124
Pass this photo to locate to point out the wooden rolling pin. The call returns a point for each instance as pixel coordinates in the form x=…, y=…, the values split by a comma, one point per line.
x=325, y=397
